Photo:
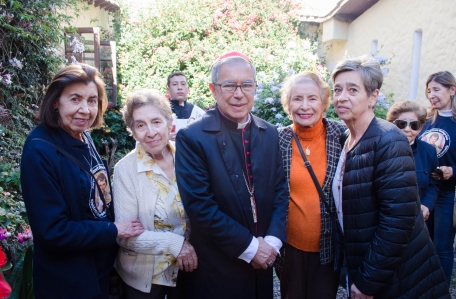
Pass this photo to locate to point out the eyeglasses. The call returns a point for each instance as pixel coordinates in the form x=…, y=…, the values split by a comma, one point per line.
x=247, y=88
x=415, y=125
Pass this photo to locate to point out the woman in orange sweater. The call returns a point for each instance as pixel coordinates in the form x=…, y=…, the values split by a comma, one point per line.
x=308, y=261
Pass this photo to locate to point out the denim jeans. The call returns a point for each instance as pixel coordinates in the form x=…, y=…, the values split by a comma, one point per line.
x=441, y=229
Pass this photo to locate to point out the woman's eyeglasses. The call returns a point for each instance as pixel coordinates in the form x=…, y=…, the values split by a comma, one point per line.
x=415, y=125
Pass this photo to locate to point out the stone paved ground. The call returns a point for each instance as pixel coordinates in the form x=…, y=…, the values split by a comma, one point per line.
x=342, y=294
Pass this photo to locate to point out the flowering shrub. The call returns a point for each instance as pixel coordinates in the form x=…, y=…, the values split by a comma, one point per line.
x=30, y=36
x=15, y=234
x=5, y=289
x=268, y=105
x=188, y=35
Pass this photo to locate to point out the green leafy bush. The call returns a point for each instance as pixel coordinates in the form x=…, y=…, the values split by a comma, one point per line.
x=188, y=35
x=30, y=41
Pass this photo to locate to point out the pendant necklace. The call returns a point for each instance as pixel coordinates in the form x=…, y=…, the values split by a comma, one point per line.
x=307, y=150
x=252, y=198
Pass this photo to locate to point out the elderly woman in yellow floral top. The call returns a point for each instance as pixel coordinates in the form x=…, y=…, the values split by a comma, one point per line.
x=145, y=188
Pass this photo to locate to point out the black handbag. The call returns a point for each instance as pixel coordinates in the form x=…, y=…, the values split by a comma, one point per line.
x=338, y=235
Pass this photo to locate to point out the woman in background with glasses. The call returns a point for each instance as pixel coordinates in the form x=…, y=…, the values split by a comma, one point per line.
x=410, y=117
x=440, y=131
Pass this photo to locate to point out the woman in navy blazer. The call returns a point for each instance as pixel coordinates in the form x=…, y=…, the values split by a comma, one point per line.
x=73, y=230
x=410, y=117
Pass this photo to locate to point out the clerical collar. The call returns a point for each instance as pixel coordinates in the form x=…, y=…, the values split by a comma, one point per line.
x=239, y=125
x=446, y=113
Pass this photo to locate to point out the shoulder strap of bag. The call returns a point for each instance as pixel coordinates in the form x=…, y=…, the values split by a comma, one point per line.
x=82, y=166
x=312, y=174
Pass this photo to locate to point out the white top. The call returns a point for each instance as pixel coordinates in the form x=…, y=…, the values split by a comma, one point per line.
x=137, y=198
x=337, y=186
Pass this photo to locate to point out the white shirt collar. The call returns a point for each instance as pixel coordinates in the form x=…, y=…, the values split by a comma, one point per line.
x=445, y=113
x=243, y=125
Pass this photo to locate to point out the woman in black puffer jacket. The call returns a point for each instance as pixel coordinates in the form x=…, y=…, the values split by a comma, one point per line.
x=388, y=250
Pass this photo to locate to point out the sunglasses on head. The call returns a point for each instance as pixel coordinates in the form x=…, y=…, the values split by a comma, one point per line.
x=415, y=125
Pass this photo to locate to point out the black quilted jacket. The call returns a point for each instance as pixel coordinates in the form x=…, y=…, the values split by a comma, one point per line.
x=388, y=250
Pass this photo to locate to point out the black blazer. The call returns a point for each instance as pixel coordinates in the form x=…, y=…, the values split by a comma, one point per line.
x=210, y=178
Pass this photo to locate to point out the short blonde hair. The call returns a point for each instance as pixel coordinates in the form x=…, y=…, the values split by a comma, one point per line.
x=285, y=91
x=406, y=106
x=143, y=97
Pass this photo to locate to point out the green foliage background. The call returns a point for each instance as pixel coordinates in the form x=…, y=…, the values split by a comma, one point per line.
x=30, y=38
x=188, y=35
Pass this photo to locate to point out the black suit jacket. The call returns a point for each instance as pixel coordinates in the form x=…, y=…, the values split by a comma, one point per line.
x=210, y=180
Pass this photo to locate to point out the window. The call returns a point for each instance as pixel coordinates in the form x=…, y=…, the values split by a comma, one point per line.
x=416, y=57
x=374, y=48
x=85, y=46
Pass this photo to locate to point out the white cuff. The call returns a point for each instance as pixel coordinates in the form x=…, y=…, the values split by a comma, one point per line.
x=250, y=252
x=274, y=242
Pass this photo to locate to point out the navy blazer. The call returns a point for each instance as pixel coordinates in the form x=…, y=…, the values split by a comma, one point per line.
x=210, y=177
x=425, y=156
x=57, y=203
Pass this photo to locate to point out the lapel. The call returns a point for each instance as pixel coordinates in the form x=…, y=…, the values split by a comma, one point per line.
x=212, y=122
x=257, y=149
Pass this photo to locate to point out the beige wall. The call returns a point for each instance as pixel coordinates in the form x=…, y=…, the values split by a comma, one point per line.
x=99, y=17
x=393, y=23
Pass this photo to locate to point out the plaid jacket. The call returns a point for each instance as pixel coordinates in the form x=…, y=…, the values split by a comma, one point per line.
x=334, y=130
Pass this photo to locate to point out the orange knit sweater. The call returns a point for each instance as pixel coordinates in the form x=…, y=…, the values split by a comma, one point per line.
x=304, y=220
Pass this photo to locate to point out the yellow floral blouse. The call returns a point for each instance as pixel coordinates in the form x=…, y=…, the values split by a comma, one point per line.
x=169, y=216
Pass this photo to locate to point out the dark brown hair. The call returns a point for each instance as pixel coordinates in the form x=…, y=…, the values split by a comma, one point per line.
x=75, y=73
x=174, y=75
x=446, y=79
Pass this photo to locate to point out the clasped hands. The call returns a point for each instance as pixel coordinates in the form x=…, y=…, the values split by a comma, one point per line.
x=265, y=255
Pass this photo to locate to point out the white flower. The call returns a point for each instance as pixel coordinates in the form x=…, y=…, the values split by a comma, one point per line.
x=73, y=60
x=279, y=125
x=274, y=88
x=291, y=44
x=291, y=71
x=384, y=71
x=275, y=75
x=6, y=79
x=78, y=47
x=16, y=63
x=269, y=100
x=279, y=116
x=381, y=59
x=274, y=109
x=381, y=97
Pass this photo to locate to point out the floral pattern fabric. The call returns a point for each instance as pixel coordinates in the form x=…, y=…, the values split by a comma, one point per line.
x=169, y=215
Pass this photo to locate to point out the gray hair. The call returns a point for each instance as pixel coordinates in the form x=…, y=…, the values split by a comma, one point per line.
x=234, y=59
x=143, y=97
x=367, y=67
